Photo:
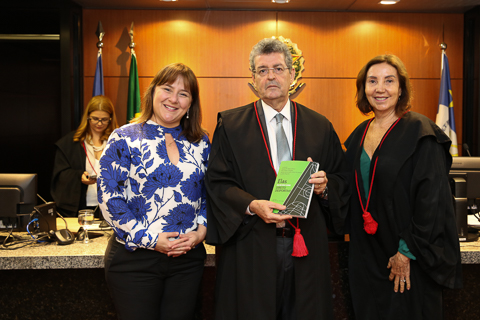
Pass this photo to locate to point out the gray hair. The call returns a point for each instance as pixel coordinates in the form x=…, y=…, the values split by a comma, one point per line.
x=267, y=46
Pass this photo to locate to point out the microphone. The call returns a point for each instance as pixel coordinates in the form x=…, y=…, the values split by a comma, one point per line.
x=465, y=147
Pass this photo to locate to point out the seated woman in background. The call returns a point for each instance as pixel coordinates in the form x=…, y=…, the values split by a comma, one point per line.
x=74, y=182
x=151, y=191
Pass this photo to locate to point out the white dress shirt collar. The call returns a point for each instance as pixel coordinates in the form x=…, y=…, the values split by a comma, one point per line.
x=270, y=113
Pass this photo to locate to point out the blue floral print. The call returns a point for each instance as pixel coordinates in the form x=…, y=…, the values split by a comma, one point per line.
x=142, y=193
x=139, y=206
x=179, y=218
x=192, y=188
x=164, y=176
x=113, y=180
x=118, y=152
x=149, y=132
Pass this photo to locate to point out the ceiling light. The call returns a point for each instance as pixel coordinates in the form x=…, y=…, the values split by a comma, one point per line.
x=389, y=1
x=280, y=1
x=168, y=0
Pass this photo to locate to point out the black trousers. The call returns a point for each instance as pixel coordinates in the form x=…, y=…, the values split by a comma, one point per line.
x=149, y=285
x=285, y=280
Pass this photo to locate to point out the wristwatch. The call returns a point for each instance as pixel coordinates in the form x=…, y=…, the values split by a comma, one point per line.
x=324, y=194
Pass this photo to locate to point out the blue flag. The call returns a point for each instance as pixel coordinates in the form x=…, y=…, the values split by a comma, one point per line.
x=98, y=80
x=445, y=116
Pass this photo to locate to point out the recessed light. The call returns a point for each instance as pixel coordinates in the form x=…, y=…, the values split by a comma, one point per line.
x=389, y=1
x=280, y=1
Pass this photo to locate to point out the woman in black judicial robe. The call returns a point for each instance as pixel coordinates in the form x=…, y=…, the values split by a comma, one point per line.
x=404, y=246
x=74, y=181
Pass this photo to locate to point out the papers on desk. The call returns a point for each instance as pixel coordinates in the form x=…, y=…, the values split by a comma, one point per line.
x=473, y=221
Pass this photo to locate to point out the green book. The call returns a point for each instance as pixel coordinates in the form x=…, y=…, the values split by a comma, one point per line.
x=292, y=188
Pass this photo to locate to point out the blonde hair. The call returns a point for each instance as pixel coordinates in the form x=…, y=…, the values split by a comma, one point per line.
x=97, y=103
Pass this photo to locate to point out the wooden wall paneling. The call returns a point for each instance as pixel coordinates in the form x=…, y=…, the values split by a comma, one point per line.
x=339, y=44
x=114, y=44
x=335, y=99
x=216, y=94
x=212, y=43
x=216, y=45
x=336, y=46
x=425, y=100
x=219, y=94
x=116, y=89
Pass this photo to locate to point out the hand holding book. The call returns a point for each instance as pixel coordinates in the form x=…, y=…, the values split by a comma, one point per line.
x=293, y=187
x=319, y=180
x=265, y=210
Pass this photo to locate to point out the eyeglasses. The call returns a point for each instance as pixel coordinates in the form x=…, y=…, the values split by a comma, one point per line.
x=96, y=120
x=264, y=71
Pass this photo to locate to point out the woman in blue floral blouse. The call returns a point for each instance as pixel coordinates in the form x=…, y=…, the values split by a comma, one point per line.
x=151, y=192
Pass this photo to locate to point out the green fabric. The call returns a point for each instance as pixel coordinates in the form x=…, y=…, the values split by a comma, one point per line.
x=403, y=249
x=365, y=172
x=133, y=101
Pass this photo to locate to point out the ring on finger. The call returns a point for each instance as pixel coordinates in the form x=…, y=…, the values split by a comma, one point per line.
x=403, y=280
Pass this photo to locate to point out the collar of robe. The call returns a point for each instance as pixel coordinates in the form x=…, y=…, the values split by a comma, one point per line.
x=369, y=224
x=299, y=247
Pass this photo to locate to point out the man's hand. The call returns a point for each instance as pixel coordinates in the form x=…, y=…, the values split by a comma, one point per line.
x=264, y=209
x=319, y=179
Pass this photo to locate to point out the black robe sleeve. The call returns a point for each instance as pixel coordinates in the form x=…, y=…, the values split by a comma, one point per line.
x=316, y=138
x=338, y=187
x=226, y=201
x=67, y=188
x=432, y=235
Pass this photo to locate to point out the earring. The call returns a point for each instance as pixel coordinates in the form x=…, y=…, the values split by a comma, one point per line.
x=188, y=111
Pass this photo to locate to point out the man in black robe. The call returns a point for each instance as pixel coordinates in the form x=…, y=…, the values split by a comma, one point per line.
x=257, y=278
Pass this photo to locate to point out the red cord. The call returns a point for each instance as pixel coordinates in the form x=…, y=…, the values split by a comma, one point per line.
x=85, y=149
x=370, y=225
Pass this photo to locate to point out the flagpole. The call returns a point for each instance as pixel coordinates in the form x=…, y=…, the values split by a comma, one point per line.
x=133, y=99
x=443, y=46
x=132, y=44
x=98, y=87
x=445, y=116
x=100, y=33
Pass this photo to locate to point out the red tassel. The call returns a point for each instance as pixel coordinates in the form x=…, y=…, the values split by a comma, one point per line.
x=369, y=224
x=299, y=247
